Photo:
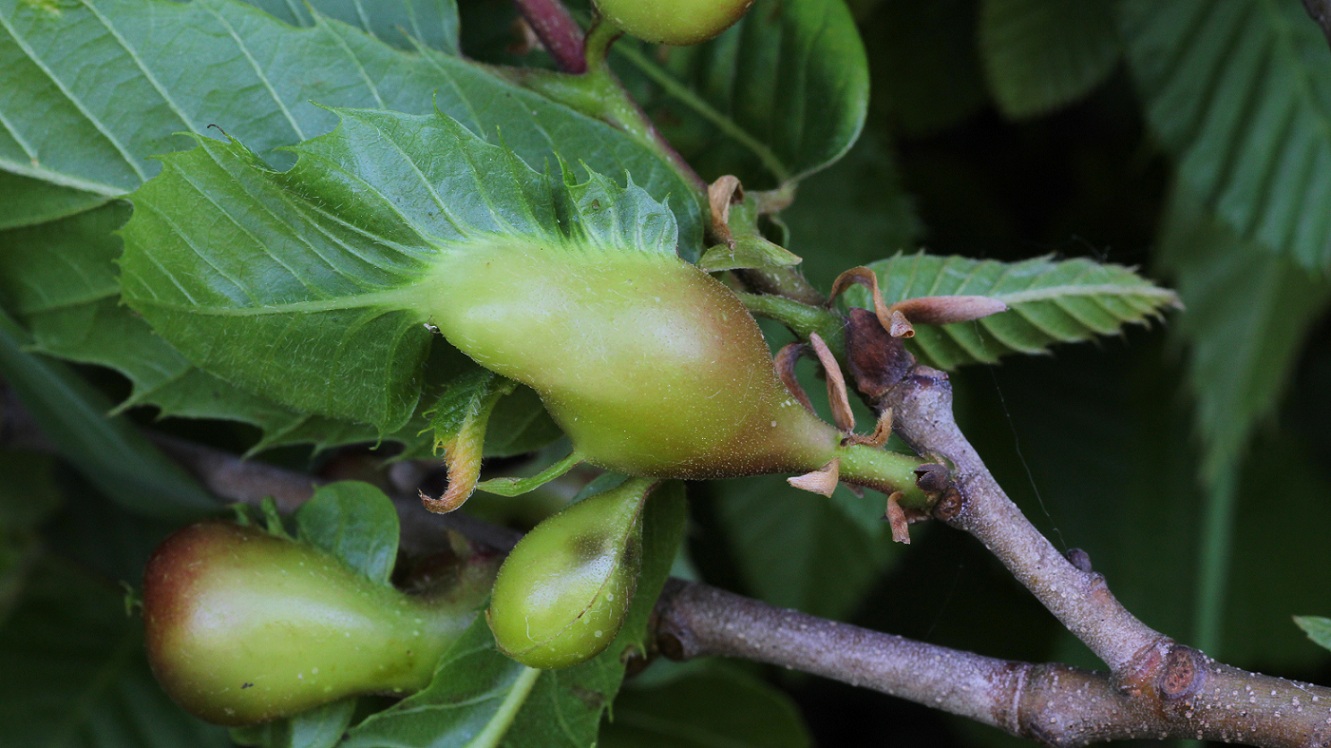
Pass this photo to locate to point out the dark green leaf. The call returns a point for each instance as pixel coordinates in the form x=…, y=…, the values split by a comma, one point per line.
x=1049, y=302
x=1317, y=628
x=778, y=97
x=108, y=451
x=1248, y=313
x=1042, y=54
x=795, y=551
x=924, y=66
x=326, y=312
x=716, y=707
x=1238, y=94
x=355, y=523
x=852, y=213
x=75, y=673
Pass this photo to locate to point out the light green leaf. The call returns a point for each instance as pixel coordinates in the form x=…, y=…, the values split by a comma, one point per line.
x=1040, y=55
x=356, y=524
x=1049, y=302
x=325, y=312
x=720, y=706
x=1317, y=628
x=401, y=23
x=748, y=247
x=786, y=89
x=479, y=697
x=1238, y=94
x=109, y=452
x=75, y=673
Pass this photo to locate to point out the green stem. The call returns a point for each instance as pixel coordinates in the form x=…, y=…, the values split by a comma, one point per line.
x=1213, y=560
x=518, y=486
x=801, y=318
x=883, y=470
x=507, y=713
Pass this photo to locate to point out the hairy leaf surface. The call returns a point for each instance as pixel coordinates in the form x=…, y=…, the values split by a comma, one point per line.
x=1048, y=302
x=70, y=144
x=1238, y=93
x=313, y=286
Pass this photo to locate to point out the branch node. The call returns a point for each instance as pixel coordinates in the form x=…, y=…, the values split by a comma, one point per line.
x=1183, y=674
x=1080, y=559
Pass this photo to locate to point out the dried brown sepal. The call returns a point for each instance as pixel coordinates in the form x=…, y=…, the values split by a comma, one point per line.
x=898, y=326
x=836, y=384
x=721, y=194
x=945, y=310
x=784, y=363
x=882, y=431
x=822, y=481
x=896, y=519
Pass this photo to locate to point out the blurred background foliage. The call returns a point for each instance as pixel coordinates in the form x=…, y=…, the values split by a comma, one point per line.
x=1191, y=459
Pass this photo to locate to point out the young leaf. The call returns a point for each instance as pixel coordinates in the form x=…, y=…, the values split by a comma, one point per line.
x=1040, y=55
x=283, y=297
x=354, y=523
x=787, y=87
x=1237, y=93
x=1049, y=302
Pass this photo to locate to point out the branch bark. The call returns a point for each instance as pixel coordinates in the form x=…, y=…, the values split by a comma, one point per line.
x=1172, y=692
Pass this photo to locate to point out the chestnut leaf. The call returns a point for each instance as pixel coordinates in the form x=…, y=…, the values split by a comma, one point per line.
x=313, y=286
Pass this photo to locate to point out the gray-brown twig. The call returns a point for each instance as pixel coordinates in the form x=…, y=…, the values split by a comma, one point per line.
x=1167, y=691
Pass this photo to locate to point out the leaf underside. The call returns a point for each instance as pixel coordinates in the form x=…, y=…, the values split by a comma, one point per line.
x=1040, y=55
x=1237, y=93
